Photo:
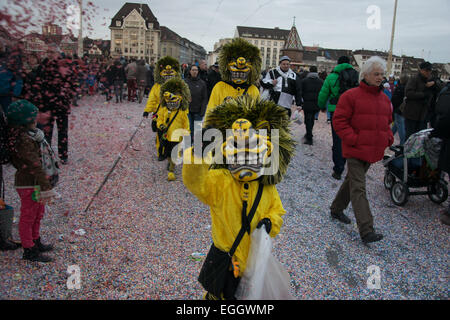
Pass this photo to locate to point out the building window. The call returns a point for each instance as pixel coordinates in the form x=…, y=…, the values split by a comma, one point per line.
x=118, y=23
x=275, y=43
x=262, y=42
x=269, y=43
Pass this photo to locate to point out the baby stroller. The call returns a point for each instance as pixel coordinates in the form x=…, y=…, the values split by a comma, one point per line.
x=415, y=165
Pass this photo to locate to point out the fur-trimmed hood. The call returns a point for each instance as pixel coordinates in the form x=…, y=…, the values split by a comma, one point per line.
x=162, y=63
x=261, y=114
x=176, y=86
x=236, y=49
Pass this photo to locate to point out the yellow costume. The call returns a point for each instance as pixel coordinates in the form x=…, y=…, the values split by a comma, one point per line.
x=175, y=97
x=222, y=193
x=260, y=133
x=166, y=69
x=223, y=91
x=240, y=67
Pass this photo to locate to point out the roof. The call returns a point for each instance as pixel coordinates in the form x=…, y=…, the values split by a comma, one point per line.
x=293, y=41
x=170, y=35
x=147, y=14
x=264, y=33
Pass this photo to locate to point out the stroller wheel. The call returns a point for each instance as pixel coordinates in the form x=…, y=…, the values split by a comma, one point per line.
x=399, y=193
x=389, y=180
x=438, y=192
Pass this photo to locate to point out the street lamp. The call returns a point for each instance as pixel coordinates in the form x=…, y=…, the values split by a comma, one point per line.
x=389, y=64
x=80, y=32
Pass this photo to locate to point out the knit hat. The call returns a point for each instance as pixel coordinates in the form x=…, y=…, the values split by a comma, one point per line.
x=21, y=112
x=285, y=58
x=343, y=59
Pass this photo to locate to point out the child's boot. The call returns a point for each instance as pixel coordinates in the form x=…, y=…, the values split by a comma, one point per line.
x=33, y=254
x=42, y=247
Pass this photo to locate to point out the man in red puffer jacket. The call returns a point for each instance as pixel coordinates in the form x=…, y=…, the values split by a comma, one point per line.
x=362, y=121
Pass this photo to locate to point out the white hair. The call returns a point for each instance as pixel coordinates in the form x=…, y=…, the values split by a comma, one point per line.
x=370, y=64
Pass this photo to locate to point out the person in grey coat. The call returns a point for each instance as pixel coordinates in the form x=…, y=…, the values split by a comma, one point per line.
x=141, y=78
x=199, y=98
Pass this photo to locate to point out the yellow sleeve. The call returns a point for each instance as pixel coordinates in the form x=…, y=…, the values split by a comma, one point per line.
x=162, y=115
x=153, y=99
x=215, y=99
x=197, y=178
x=253, y=91
x=275, y=212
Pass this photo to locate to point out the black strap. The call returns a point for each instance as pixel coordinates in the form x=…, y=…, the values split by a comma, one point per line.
x=171, y=121
x=246, y=226
x=159, y=105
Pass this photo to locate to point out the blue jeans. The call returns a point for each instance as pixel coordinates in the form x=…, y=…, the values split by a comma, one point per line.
x=194, y=116
x=338, y=159
x=399, y=125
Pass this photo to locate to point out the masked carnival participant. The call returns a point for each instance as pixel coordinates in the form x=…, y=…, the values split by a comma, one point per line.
x=166, y=69
x=239, y=184
x=239, y=66
x=175, y=97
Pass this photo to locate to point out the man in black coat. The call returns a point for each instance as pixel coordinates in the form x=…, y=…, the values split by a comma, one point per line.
x=58, y=87
x=311, y=86
x=213, y=77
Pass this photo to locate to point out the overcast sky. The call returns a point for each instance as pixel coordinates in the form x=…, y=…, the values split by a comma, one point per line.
x=422, y=27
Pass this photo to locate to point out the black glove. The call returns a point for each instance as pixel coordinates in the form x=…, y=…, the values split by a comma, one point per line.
x=145, y=115
x=267, y=223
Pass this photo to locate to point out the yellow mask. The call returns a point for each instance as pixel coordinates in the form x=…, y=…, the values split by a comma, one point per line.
x=240, y=70
x=173, y=101
x=246, y=152
x=168, y=73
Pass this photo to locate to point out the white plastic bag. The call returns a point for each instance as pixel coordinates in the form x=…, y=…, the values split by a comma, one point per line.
x=264, y=277
x=264, y=94
x=297, y=117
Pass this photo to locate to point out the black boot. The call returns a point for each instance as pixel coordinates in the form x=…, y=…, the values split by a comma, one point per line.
x=33, y=254
x=372, y=237
x=341, y=217
x=8, y=245
x=42, y=247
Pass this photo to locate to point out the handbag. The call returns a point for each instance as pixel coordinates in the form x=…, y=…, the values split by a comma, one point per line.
x=6, y=214
x=216, y=268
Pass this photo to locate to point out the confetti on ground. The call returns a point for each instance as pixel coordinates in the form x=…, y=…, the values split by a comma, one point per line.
x=141, y=230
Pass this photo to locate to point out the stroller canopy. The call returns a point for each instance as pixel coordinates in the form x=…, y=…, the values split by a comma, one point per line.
x=421, y=144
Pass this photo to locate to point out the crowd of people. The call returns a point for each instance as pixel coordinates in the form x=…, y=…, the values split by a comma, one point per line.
x=365, y=109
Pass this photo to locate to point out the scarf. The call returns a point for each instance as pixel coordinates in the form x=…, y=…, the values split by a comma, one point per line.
x=37, y=135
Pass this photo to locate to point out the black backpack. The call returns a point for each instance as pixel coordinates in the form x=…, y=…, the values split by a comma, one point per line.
x=4, y=150
x=348, y=78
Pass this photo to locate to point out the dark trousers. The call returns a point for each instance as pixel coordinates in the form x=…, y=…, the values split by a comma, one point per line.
x=193, y=116
x=132, y=86
x=309, y=124
x=354, y=189
x=338, y=159
x=62, y=124
x=413, y=126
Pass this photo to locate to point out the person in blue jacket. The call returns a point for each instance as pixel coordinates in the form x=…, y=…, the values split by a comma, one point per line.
x=10, y=81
